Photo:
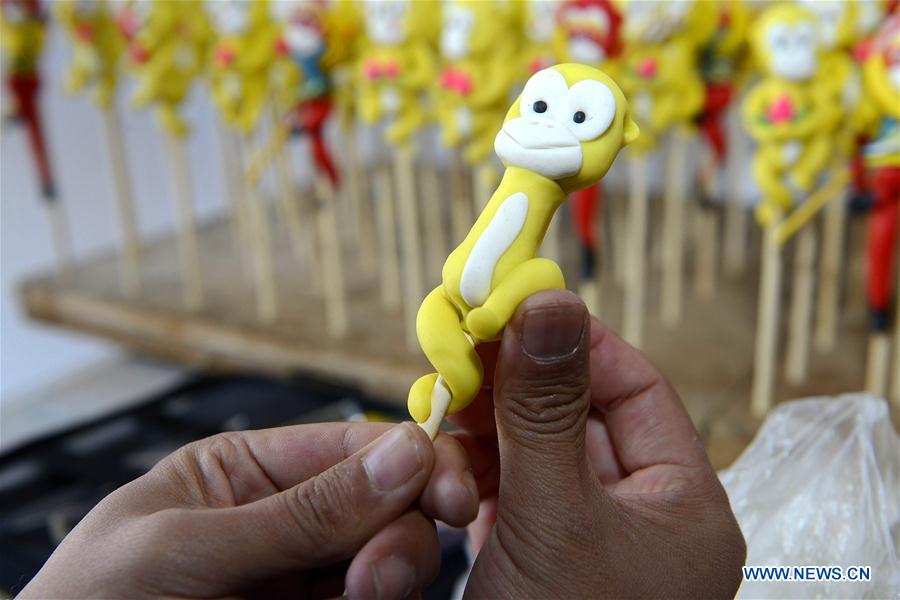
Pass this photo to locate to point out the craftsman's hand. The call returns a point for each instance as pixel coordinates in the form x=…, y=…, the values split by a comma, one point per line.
x=309, y=511
x=593, y=480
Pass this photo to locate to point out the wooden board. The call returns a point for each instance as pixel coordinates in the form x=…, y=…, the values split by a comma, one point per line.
x=708, y=357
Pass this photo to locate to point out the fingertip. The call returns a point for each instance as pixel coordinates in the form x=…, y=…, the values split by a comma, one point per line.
x=452, y=493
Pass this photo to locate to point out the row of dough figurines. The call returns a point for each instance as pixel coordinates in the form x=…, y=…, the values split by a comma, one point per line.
x=815, y=85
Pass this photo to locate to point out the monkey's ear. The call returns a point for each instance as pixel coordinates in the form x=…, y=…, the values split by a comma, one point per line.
x=632, y=131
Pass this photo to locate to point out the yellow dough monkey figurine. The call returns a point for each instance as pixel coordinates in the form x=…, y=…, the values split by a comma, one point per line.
x=478, y=71
x=97, y=46
x=561, y=135
x=786, y=112
x=167, y=53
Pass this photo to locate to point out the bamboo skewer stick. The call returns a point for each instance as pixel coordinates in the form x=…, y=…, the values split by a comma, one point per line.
x=234, y=184
x=332, y=270
x=290, y=208
x=767, y=323
x=361, y=205
x=830, y=269
x=389, y=267
x=460, y=207
x=877, y=360
x=59, y=233
x=131, y=255
x=404, y=177
x=673, y=232
x=797, y=362
x=188, y=248
x=632, y=328
x=435, y=239
x=705, y=252
x=260, y=239
x=735, y=229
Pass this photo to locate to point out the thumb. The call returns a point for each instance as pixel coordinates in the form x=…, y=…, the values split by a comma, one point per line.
x=541, y=400
x=324, y=520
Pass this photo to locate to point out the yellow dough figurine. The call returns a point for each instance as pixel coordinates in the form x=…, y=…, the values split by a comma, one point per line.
x=786, y=112
x=167, y=53
x=561, y=135
x=242, y=55
x=394, y=67
x=477, y=74
x=97, y=46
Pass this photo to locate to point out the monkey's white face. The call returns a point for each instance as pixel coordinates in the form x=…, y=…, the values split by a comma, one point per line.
x=386, y=21
x=555, y=120
x=652, y=21
x=230, y=17
x=456, y=33
x=829, y=14
x=792, y=49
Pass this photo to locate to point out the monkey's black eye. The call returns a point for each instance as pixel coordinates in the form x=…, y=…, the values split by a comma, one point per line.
x=579, y=117
x=540, y=106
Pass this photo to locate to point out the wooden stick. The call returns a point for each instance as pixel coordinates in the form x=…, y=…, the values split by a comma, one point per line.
x=735, y=234
x=797, y=362
x=673, y=232
x=405, y=180
x=131, y=254
x=263, y=268
x=361, y=204
x=633, y=325
x=767, y=323
x=62, y=241
x=895, y=388
x=435, y=238
x=332, y=270
x=830, y=270
x=460, y=207
x=705, y=252
x=440, y=402
x=877, y=364
x=234, y=186
x=191, y=275
x=388, y=262
x=621, y=255
x=290, y=208
x=551, y=247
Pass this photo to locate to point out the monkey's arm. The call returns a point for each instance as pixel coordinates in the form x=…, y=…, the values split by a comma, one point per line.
x=488, y=320
x=812, y=162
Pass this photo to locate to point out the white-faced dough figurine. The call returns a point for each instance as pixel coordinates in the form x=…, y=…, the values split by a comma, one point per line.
x=562, y=134
x=785, y=112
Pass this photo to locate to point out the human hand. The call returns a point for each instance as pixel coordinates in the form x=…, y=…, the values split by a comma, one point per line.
x=311, y=511
x=593, y=480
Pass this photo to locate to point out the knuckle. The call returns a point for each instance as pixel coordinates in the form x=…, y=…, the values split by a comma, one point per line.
x=547, y=408
x=319, y=509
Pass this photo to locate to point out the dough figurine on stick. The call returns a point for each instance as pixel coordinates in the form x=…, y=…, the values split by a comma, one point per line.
x=562, y=134
x=23, y=30
x=881, y=78
x=788, y=116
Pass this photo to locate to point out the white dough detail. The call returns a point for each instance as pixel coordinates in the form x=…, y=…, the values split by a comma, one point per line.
x=498, y=236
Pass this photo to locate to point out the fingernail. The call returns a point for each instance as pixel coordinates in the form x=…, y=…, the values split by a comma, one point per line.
x=394, y=459
x=553, y=332
x=393, y=577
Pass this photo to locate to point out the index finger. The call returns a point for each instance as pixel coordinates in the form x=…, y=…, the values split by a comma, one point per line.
x=646, y=421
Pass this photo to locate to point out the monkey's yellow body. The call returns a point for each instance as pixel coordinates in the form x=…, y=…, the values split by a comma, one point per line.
x=883, y=100
x=497, y=265
x=21, y=41
x=97, y=47
x=240, y=63
x=789, y=123
x=168, y=54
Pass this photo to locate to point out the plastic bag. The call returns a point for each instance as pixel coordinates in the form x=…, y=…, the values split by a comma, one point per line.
x=820, y=485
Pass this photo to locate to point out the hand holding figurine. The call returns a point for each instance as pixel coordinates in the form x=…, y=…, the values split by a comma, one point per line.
x=593, y=481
